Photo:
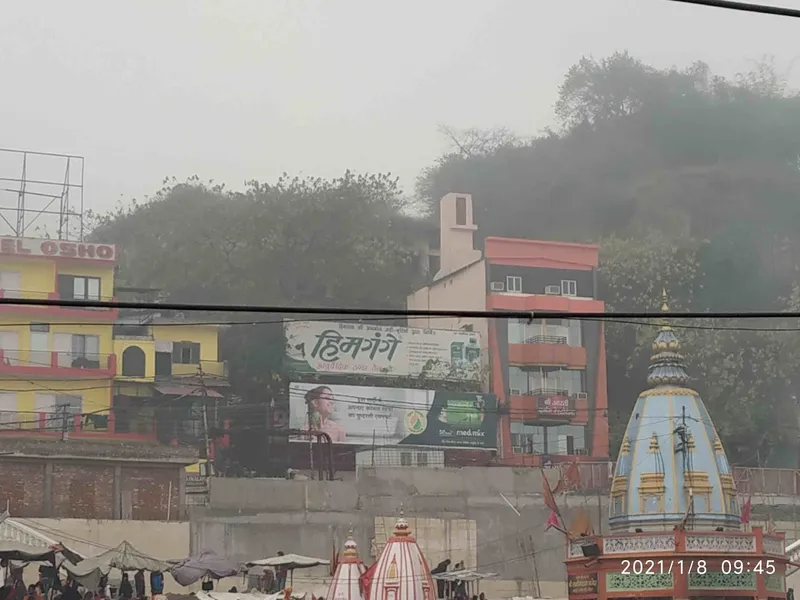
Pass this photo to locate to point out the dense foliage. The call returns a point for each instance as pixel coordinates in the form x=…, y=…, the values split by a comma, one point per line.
x=688, y=180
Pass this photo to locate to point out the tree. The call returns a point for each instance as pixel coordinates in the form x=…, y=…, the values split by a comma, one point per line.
x=689, y=181
x=297, y=242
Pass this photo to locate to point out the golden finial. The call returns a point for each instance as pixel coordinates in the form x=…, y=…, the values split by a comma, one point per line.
x=664, y=300
x=350, y=531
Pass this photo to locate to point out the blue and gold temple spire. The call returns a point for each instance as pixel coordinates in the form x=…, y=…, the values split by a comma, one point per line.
x=671, y=464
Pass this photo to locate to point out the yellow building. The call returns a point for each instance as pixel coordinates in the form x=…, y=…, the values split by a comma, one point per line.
x=56, y=363
x=96, y=372
x=170, y=377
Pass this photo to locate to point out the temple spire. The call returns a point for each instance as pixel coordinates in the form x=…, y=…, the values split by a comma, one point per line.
x=667, y=365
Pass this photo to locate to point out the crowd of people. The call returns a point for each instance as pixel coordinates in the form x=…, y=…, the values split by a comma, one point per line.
x=50, y=587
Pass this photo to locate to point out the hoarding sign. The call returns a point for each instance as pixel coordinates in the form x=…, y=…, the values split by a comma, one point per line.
x=555, y=406
x=363, y=349
x=57, y=249
x=365, y=415
x=584, y=583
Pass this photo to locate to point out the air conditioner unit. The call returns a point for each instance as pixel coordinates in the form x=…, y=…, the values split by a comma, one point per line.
x=497, y=286
x=515, y=392
x=582, y=452
x=582, y=396
x=553, y=290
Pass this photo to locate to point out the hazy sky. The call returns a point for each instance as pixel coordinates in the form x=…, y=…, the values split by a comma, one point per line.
x=243, y=89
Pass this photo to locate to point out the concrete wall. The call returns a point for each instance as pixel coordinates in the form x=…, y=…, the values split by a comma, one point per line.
x=461, y=514
x=91, y=537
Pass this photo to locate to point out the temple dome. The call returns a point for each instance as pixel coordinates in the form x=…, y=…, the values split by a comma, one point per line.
x=345, y=584
x=401, y=572
x=672, y=470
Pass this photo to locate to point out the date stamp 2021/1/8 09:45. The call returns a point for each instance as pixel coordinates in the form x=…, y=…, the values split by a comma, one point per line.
x=685, y=566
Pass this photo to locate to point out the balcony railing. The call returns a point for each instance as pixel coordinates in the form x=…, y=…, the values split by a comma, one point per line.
x=547, y=392
x=38, y=295
x=209, y=368
x=546, y=339
x=55, y=422
x=12, y=360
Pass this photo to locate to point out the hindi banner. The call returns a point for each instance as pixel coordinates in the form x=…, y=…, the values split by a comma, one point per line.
x=365, y=349
x=362, y=415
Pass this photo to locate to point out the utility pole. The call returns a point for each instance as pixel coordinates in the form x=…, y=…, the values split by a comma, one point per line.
x=62, y=408
x=205, y=419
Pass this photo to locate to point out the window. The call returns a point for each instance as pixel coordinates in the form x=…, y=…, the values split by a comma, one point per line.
x=546, y=380
x=73, y=287
x=569, y=287
x=40, y=327
x=545, y=331
x=10, y=284
x=67, y=408
x=86, y=346
x=514, y=284
x=546, y=439
x=186, y=353
x=405, y=459
x=133, y=362
x=422, y=459
x=9, y=418
x=461, y=210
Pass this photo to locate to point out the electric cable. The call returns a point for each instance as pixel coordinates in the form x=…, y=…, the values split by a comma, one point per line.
x=395, y=312
x=749, y=7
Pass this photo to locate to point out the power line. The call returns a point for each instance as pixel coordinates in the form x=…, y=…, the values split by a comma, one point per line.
x=745, y=7
x=396, y=312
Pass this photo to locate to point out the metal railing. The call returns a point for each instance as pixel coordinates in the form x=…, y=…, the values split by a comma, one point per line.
x=45, y=359
x=40, y=295
x=547, y=339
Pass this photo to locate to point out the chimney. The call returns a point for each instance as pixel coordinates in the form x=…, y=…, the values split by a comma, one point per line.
x=456, y=230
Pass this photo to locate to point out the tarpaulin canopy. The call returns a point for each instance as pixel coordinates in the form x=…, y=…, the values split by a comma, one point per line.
x=244, y=596
x=124, y=557
x=24, y=552
x=207, y=563
x=289, y=561
x=463, y=575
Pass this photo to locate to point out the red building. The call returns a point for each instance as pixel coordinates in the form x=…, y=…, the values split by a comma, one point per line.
x=549, y=375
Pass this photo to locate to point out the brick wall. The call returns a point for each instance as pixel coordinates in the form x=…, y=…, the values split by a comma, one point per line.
x=85, y=489
x=149, y=492
x=82, y=491
x=22, y=488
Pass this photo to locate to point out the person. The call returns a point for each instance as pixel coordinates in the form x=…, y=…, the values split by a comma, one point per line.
x=268, y=581
x=281, y=575
x=125, y=587
x=17, y=588
x=156, y=583
x=320, y=402
x=71, y=591
x=440, y=568
x=138, y=583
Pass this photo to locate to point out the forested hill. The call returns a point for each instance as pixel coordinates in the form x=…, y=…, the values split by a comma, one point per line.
x=688, y=180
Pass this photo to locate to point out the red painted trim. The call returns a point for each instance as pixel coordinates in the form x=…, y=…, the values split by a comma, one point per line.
x=536, y=302
x=56, y=372
x=538, y=253
x=94, y=435
x=559, y=355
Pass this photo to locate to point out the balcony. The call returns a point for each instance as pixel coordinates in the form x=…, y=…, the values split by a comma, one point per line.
x=547, y=350
x=542, y=303
x=57, y=365
x=87, y=312
x=549, y=405
x=88, y=426
x=209, y=368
